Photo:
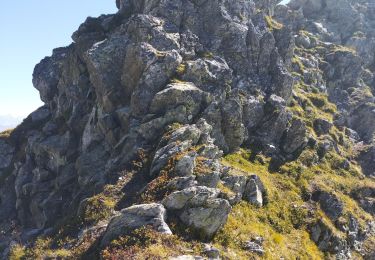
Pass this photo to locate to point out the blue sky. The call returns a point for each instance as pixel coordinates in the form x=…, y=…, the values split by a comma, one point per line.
x=29, y=30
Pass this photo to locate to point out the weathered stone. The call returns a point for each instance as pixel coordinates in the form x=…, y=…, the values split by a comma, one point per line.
x=180, y=183
x=177, y=94
x=322, y=126
x=295, y=139
x=47, y=73
x=366, y=198
x=270, y=131
x=326, y=239
x=199, y=208
x=237, y=184
x=185, y=166
x=163, y=155
x=234, y=130
x=254, y=190
x=6, y=154
x=178, y=200
x=210, y=75
x=209, y=179
x=254, y=247
x=114, y=95
x=253, y=112
x=329, y=203
x=186, y=257
x=135, y=217
x=212, y=252
x=303, y=41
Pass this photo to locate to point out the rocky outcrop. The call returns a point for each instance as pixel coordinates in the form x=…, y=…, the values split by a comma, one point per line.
x=165, y=88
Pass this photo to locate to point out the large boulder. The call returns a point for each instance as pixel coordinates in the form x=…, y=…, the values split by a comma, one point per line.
x=199, y=208
x=249, y=188
x=145, y=215
x=295, y=139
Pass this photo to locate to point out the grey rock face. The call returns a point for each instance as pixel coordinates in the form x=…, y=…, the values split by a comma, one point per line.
x=347, y=71
x=367, y=161
x=135, y=217
x=164, y=154
x=273, y=124
x=179, y=141
x=362, y=119
x=6, y=154
x=211, y=74
x=47, y=74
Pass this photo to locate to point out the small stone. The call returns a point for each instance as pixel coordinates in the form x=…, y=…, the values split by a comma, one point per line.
x=254, y=247
x=186, y=257
x=212, y=252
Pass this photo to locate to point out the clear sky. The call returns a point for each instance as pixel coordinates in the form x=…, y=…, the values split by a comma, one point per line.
x=29, y=30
